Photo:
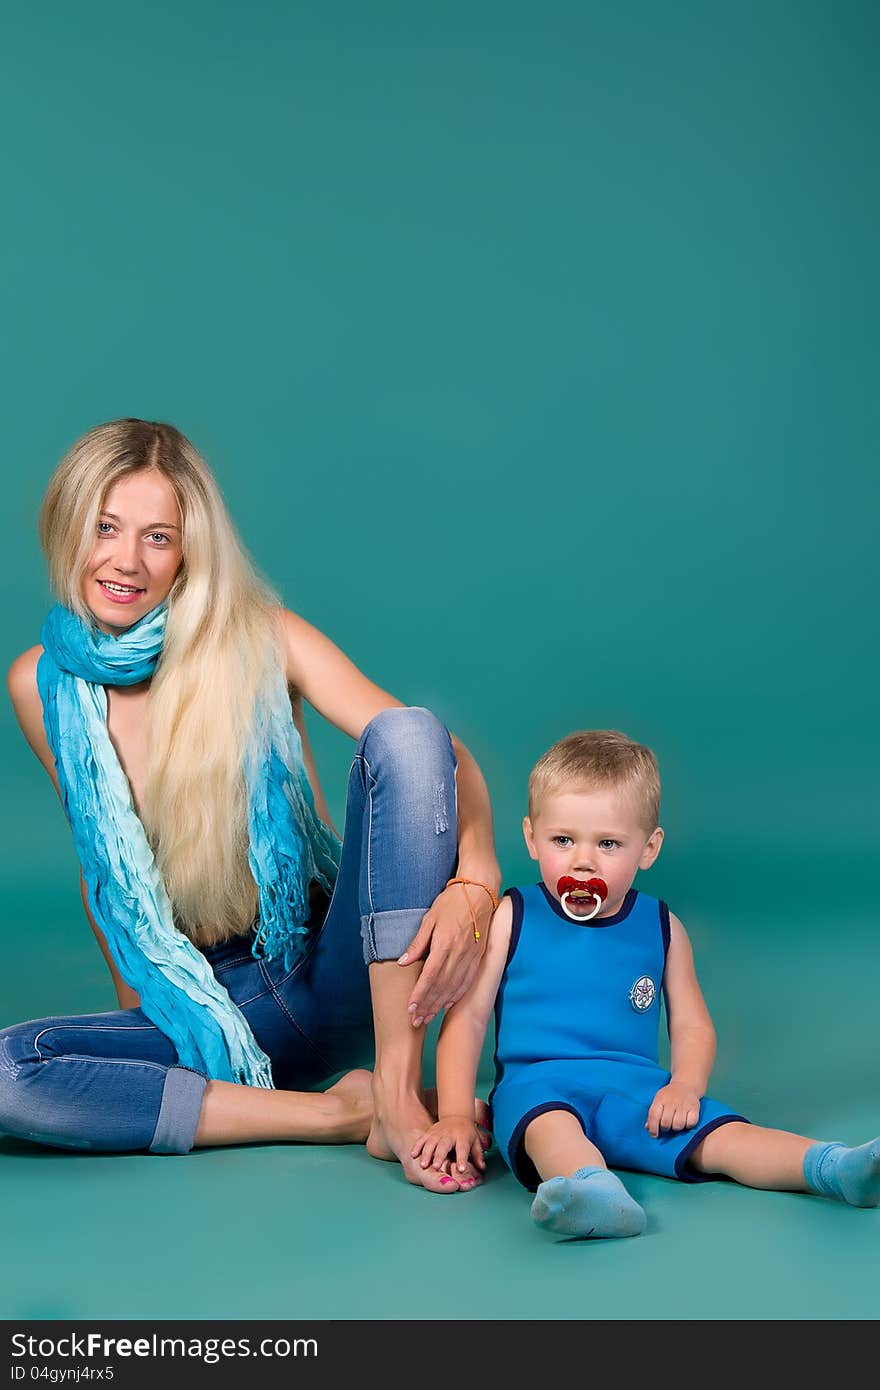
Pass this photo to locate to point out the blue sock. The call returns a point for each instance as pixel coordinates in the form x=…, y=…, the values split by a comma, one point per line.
x=850, y=1175
x=593, y=1202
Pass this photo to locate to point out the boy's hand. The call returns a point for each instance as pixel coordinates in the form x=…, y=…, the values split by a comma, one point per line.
x=675, y=1106
x=456, y=1134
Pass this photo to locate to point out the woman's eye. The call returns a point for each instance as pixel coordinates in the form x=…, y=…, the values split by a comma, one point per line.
x=158, y=536
x=104, y=527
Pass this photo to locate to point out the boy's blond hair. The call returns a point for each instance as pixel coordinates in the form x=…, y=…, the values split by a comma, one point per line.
x=603, y=758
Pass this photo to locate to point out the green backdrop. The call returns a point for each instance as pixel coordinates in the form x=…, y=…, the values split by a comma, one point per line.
x=534, y=347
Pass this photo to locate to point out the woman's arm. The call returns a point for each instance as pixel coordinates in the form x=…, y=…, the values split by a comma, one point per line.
x=128, y=997
x=691, y=1037
x=448, y=927
x=322, y=674
x=299, y=720
x=22, y=685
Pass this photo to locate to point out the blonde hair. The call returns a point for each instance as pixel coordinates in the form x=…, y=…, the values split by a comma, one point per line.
x=599, y=758
x=222, y=639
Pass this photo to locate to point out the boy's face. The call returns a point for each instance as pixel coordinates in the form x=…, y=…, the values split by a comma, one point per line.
x=589, y=833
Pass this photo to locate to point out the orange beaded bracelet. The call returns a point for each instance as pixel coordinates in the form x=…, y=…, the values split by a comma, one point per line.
x=475, y=884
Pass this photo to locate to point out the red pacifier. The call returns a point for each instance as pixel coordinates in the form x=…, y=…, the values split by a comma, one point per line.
x=580, y=890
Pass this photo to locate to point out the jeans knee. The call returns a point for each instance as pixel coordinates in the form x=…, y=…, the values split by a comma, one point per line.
x=12, y=1089
x=401, y=735
x=22, y=1069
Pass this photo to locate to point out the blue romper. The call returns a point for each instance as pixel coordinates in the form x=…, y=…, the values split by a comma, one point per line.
x=576, y=1028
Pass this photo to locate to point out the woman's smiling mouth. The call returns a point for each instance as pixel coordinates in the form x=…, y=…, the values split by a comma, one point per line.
x=120, y=593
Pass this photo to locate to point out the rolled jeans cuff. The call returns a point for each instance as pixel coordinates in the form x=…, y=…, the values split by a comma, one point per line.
x=179, y=1112
x=386, y=935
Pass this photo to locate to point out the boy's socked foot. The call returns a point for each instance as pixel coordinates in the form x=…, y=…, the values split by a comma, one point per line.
x=850, y=1175
x=396, y=1127
x=593, y=1203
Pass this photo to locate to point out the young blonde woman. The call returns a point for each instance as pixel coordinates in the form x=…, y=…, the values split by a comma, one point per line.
x=254, y=955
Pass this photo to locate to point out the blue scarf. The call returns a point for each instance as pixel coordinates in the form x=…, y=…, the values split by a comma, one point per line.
x=288, y=844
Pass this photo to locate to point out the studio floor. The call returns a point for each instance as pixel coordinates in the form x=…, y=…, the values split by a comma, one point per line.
x=327, y=1232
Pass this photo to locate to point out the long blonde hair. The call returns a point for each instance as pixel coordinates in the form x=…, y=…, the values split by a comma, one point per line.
x=221, y=640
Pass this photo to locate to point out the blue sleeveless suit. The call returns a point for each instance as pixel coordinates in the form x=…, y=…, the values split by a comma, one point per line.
x=576, y=1028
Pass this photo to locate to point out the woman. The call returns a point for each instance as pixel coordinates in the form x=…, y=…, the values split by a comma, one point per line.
x=166, y=704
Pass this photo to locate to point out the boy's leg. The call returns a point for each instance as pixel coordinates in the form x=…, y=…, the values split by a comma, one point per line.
x=578, y=1195
x=557, y=1145
x=756, y=1157
x=777, y=1160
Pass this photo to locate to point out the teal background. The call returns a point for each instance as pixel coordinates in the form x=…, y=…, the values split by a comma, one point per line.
x=534, y=348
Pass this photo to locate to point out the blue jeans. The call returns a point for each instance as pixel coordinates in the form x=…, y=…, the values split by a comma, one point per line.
x=111, y=1082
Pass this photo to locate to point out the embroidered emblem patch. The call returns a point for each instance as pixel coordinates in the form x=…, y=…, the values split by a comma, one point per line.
x=641, y=996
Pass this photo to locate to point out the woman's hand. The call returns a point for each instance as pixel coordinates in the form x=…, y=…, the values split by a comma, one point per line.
x=447, y=934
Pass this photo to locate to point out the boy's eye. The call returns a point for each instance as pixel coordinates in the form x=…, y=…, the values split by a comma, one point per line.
x=608, y=844
x=562, y=840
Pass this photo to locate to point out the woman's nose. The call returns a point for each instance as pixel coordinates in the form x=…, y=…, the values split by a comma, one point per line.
x=125, y=554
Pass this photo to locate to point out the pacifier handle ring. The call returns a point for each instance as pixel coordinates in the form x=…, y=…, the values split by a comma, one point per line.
x=577, y=917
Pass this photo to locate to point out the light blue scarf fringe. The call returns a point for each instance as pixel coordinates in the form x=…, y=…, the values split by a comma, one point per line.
x=289, y=844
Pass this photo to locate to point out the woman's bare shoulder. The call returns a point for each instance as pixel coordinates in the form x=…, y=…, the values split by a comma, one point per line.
x=293, y=625
x=21, y=680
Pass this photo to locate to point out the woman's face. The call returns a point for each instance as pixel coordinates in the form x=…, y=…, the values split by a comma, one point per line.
x=138, y=550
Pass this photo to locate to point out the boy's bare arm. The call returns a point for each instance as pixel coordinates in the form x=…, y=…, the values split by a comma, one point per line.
x=458, y=1055
x=691, y=1035
x=464, y=1025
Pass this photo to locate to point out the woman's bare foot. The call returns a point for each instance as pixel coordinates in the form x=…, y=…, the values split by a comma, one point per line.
x=354, y=1094
x=233, y=1114
x=394, y=1131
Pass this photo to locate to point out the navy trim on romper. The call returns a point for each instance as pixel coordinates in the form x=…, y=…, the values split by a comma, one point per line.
x=692, y=1174
x=665, y=931
x=516, y=925
x=523, y=1168
x=666, y=934
x=620, y=915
